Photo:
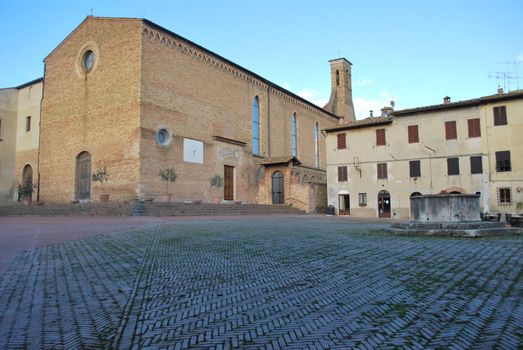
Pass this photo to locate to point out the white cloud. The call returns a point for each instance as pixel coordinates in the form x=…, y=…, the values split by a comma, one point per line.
x=520, y=57
x=362, y=105
x=286, y=86
x=313, y=96
x=363, y=82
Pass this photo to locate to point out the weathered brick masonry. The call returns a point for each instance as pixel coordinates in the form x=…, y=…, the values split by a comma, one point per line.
x=145, y=78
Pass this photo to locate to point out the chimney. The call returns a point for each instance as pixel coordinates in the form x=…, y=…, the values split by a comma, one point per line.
x=340, y=102
x=371, y=112
x=446, y=100
x=500, y=90
x=386, y=111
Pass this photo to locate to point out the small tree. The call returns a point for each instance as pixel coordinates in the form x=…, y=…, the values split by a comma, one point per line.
x=101, y=175
x=217, y=181
x=168, y=175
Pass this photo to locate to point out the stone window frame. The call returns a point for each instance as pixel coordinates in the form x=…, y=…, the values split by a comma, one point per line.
x=415, y=168
x=341, y=140
x=452, y=166
x=503, y=163
x=474, y=126
x=81, y=72
x=256, y=125
x=342, y=173
x=28, y=123
x=500, y=115
x=451, y=130
x=476, y=165
x=382, y=171
x=504, y=195
x=362, y=199
x=169, y=137
x=413, y=133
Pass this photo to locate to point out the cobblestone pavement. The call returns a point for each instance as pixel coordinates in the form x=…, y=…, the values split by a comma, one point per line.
x=270, y=283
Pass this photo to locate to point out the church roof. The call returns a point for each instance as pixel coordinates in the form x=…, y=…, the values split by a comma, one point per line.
x=207, y=51
x=280, y=160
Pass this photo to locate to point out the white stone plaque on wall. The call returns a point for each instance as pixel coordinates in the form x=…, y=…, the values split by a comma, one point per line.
x=192, y=151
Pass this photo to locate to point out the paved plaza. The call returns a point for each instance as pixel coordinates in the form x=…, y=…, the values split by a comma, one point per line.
x=290, y=282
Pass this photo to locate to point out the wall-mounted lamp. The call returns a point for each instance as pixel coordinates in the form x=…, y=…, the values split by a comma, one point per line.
x=518, y=189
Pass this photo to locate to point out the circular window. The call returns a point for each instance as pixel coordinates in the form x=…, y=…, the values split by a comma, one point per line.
x=163, y=137
x=88, y=60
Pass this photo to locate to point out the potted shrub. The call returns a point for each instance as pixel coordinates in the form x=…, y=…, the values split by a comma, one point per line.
x=167, y=175
x=26, y=193
x=101, y=175
x=217, y=181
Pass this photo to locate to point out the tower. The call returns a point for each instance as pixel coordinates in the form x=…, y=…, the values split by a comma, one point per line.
x=340, y=102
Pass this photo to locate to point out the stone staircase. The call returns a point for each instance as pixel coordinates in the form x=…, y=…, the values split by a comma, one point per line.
x=140, y=208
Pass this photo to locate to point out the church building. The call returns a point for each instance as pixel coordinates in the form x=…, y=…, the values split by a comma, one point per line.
x=132, y=97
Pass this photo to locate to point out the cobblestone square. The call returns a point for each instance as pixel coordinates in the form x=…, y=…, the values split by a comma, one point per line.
x=265, y=283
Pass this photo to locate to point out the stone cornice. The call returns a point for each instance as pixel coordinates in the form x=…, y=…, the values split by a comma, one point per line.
x=160, y=35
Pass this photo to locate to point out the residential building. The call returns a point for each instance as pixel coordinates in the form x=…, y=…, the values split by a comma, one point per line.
x=376, y=164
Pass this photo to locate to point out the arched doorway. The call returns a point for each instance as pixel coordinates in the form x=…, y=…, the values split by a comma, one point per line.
x=27, y=176
x=83, y=176
x=384, y=204
x=277, y=188
x=415, y=194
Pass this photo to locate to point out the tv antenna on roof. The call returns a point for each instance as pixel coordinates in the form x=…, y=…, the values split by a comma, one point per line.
x=506, y=79
x=514, y=72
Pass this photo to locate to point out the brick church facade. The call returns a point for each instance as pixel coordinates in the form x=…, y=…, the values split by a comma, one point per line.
x=133, y=97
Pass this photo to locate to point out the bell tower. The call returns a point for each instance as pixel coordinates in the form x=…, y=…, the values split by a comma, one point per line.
x=340, y=102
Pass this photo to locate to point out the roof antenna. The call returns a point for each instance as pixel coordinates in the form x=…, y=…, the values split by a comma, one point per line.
x=91, y=11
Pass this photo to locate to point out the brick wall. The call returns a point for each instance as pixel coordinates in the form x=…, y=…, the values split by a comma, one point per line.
x=97, y=112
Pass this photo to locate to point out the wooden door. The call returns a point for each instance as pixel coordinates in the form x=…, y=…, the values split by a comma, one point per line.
x=277, y=188
x=83, y=176
x=228, y=186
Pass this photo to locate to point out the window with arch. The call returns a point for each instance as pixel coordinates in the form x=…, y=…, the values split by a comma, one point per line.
x=294, y=137
x=337, y=77
x=256, y=126
x=316, y=146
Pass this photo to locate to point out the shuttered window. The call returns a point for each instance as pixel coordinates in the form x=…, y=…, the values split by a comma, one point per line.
x=453, y=166
x=380, y=137
x=476, y=165
x=415, y=168
x=450, y=130
x=413, y=134
x=342, y=173
x=503, y=161
x=500, y=115
x=474, y=127
x=382, y=171
x=342, y=142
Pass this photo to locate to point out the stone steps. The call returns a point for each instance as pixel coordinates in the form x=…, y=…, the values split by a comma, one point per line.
x=136, y=208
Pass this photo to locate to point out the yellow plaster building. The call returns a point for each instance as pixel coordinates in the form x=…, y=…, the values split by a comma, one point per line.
x=376, y=164
x=19, y=137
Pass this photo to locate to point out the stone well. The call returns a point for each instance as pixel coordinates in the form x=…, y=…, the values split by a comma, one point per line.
x=445, y=208
x=449, y=215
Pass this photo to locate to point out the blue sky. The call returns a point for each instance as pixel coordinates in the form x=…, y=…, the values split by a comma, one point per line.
x=412, y=52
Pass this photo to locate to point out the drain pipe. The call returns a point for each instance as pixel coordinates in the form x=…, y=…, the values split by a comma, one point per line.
x=269, y=120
